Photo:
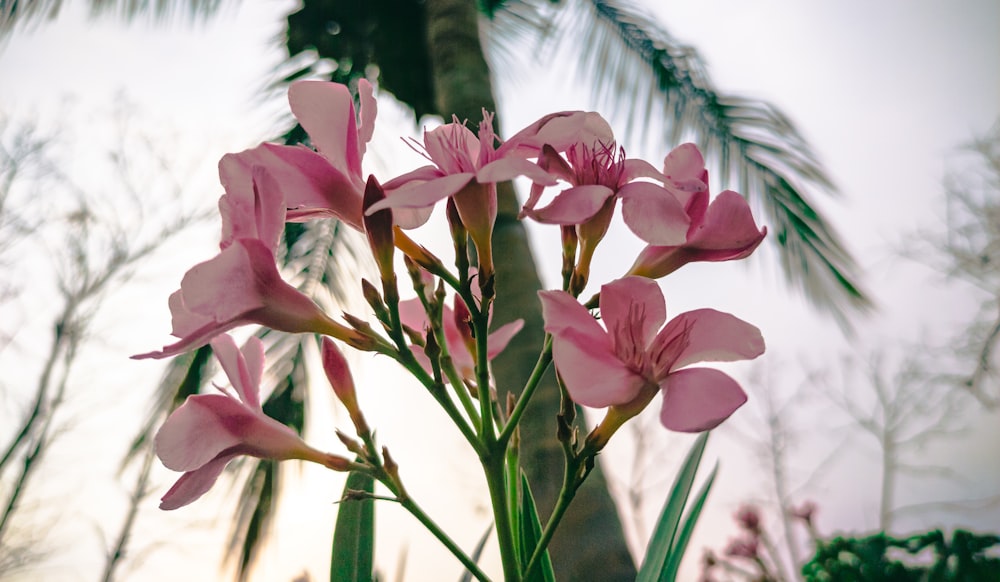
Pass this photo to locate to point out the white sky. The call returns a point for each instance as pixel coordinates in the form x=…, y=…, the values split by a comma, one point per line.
x=884, y=91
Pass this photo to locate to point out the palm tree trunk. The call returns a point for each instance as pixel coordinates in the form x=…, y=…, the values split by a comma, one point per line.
x=590, y=544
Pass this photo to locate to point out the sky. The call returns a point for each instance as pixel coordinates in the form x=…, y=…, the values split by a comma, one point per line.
x=885, y=92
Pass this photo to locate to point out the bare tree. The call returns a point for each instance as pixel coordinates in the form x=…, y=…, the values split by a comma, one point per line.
x=94, y=240
x=901, y=409
x=970, y=252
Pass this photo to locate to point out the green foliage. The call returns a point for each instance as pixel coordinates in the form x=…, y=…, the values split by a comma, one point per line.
x=357, y=36
x=925, y=557
x=529, y=535
x=666, y=547
x=352, y=555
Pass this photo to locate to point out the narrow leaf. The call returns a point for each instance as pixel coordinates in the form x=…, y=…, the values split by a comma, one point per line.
x=531, y=533
x=669, y=574
x=662, y=540
x=352, y=554
x=477, y=553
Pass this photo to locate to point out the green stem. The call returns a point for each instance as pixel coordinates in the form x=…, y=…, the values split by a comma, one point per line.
x=572, y=480
x=416, y=511
x=495, y=470
x=544, y=359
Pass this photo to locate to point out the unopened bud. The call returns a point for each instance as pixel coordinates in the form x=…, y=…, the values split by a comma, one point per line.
x=374, y=299
x=378, y=228
x=339, y=375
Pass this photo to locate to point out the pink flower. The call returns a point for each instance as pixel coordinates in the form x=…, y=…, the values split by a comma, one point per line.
x=721, y=231
x=209, y=430
x=241, y=285
x=467, y=166
x=624, y=365
x=457, y=333
x=327, y=182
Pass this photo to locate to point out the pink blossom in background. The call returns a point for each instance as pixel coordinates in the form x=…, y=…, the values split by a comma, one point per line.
x=460, y=344
x=624, y=363
x=209, y=430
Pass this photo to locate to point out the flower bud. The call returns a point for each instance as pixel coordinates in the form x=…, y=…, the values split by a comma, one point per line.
x=339, y=375
x=378, y=228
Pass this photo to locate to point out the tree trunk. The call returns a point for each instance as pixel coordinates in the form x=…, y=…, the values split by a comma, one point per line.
x=590, y=544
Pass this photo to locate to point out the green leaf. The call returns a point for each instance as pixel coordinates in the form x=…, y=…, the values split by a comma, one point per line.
x=352, y=554
x=530, y=532
x=669, y=574
x=477, y=553
x=660, y=544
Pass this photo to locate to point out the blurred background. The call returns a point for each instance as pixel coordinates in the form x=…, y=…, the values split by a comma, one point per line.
x=870, y=131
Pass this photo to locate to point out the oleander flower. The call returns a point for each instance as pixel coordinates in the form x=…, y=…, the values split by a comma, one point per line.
x=457, y=333
x=241, y=285
x=209, y=430
x=327, y=182
x=721, y=231
x=624, y=364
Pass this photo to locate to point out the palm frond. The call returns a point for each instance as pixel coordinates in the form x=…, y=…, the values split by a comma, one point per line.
x=21, y=13
x=637, y=68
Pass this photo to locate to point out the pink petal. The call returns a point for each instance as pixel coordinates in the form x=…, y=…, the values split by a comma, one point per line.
x=728, y=229
x=713, y=336
x=500, y=337
x=412, y=314
x=633, y=169
x=593, y=375
x=194, y=484
x=424, y=194
x=562, y=312
x=225, y=287
x=560, y=131
x=311, y=186
x=453, y=147
x=237, y=366
x=326, y=112
x=194, y=434
x=184, y=322
x=699, y=399
x=253, y=206
x=684, y=168
x=654, y=214
x=574, y=205
x=509, y=168
x=633, y=307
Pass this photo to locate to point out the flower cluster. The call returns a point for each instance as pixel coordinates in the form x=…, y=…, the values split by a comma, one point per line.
x=620, y=360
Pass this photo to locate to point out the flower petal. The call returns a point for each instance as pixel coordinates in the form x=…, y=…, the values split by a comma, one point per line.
x=326, y=112
x=194, y=484
x=424, y=194
x=593, y=375
x=699, y=399
x=684, y=169
x=243, y=368
x=713, y=336
x=501, y=336
x=311, y=186
x=253, y=205
x=633, y=307
x=561, y=131
x=196, y=433
x=561, y=312
x=654, y=214
x=574, y=205
x=509, y=168
x=728, y=230
x=225, y=287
